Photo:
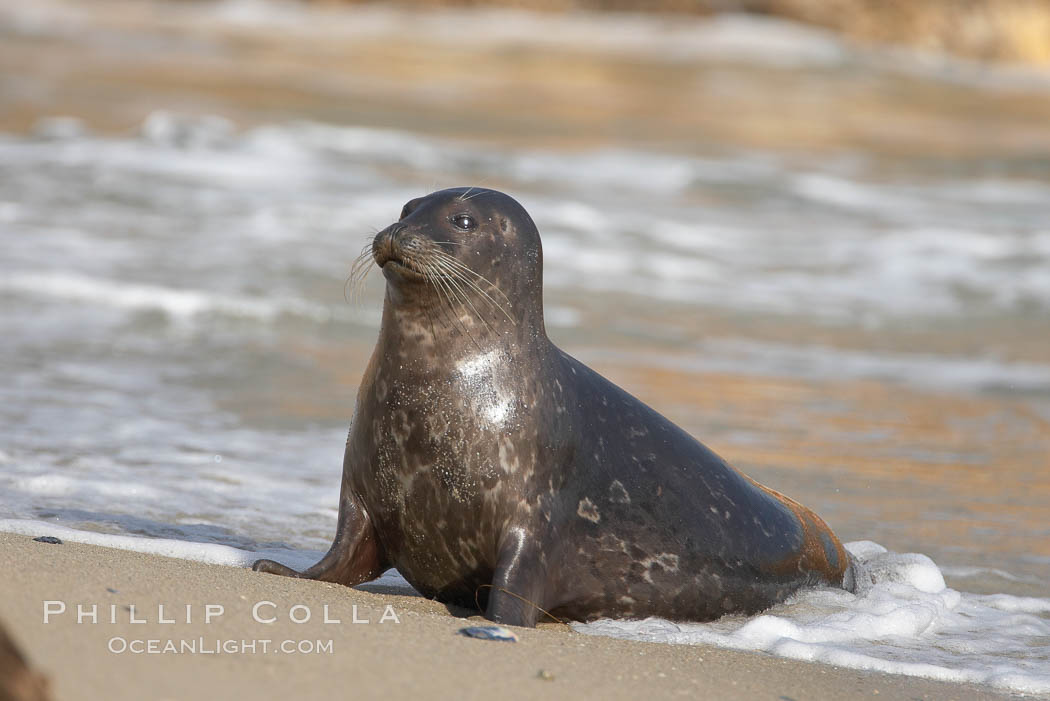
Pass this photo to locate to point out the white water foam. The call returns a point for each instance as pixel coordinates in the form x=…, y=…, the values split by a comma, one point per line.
x=914, y=369
x=176, y=303
x=864, y=250
x=211, y=553
x=903, y=620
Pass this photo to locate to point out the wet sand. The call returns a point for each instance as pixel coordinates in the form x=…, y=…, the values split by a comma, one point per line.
x=419, y=657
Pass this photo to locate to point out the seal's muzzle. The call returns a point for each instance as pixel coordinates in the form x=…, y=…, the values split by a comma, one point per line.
x=385, y=245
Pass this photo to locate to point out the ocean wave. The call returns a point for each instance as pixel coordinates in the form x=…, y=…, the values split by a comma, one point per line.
x=738, y=231
x=176, y=303
x=958, y=375
x=915, y=369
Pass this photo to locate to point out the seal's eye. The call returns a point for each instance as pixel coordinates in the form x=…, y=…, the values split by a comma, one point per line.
x=464, y=221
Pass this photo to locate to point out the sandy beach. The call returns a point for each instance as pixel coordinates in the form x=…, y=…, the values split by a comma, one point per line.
x=418, y=656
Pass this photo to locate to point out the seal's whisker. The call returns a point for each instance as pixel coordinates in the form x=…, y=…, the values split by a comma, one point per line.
x=466, y=269
x=435, y=284
x=460, y=266
x=454, y=281
x=446, y=265
x=519, y=597
x=349, y=280
x=359, y=270
x=434, y=278
x=364, y=255
x=440, y=283
x=361, y=264
x=355, y=279
x=458, y=277
x=451, y=283
x=480, y=189
x=461, y=273
x=451, y=272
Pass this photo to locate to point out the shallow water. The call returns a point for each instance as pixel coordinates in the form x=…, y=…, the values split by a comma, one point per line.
x=849, y=302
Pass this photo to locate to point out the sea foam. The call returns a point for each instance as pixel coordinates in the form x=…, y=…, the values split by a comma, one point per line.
x=902, y=620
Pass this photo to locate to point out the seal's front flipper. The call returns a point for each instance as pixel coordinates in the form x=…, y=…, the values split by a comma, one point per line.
x=354, y=557
x=518, y=587
x=272, y=567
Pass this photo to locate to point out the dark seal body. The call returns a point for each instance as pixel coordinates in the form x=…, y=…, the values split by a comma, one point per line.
x=490, y=467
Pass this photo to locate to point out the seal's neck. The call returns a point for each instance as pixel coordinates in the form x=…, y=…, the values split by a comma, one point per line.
x=424, y=321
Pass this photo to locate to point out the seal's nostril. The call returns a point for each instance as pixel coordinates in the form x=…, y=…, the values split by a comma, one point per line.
x=392, y=244
x=381, y=247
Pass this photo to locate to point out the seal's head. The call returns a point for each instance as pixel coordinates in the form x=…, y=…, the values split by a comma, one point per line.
x=473, y=251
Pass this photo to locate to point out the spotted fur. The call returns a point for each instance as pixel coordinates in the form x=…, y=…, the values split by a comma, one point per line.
x=488, y=466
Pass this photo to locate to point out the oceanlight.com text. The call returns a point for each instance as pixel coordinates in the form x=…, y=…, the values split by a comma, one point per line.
x=216, y=646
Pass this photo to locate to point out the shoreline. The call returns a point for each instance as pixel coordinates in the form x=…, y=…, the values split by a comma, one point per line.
x=418, y=654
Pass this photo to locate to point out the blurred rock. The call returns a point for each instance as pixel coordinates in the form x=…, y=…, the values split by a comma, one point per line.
x=1000, y=30
x=17, y=681
x=990, y=30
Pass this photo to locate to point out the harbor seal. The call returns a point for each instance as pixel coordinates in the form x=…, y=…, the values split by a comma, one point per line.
x=492, y=469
